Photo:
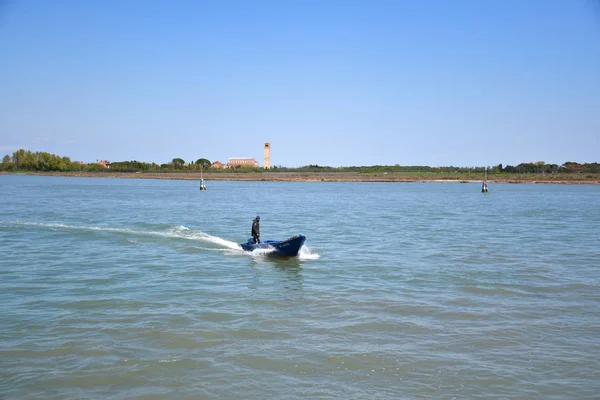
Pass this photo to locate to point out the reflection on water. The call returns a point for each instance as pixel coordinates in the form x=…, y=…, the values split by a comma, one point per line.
x=292, y=276
x=288, y=272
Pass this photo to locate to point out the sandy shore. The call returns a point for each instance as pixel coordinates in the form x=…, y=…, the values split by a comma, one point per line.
x=325, y=177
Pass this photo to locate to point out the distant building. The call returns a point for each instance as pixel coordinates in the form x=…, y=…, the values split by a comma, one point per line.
x=218, y=164
x=241, y=162
x=267, y=155
x=104, y=163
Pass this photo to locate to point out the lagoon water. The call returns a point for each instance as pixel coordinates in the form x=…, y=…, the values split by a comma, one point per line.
x=136, y=289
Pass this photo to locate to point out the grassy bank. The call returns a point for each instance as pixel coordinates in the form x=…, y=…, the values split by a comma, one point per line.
x=335, y=176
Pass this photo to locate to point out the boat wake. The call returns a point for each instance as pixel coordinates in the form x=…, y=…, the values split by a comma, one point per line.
x=168, y=231
x=304, y=254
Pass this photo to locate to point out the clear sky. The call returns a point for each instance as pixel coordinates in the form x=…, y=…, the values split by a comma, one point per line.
x=328, y=82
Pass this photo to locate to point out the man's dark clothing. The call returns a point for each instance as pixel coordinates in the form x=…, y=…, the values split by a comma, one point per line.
x=256, y=230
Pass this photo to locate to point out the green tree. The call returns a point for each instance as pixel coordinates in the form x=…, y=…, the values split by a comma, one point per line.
x=178, y=163
x=17, y=157
x=203, y=163
x=7, y=164
x=43, y=160
x=29, y=162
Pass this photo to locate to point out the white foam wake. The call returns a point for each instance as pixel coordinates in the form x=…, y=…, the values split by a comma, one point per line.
x=179, y=232
x=304, y=254
x=186, y=233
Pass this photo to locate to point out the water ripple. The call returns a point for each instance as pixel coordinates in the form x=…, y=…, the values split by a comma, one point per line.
x=139, y=290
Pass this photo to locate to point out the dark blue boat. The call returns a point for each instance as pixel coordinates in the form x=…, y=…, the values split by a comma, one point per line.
x=284, y=248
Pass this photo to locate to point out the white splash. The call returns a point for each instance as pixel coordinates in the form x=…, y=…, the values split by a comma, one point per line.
x=306, y=254
x=262, y=252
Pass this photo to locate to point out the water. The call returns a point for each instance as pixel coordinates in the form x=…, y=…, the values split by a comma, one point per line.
x=136, y=289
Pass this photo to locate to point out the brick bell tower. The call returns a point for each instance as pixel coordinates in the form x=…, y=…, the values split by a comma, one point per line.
x=267, y=153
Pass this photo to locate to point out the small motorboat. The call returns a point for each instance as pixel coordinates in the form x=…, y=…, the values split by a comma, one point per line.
x=283, y=248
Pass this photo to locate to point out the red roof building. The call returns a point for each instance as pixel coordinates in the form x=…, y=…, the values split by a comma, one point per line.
x=218, y=164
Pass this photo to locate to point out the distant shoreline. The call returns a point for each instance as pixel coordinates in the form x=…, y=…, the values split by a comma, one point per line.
x=322, y=177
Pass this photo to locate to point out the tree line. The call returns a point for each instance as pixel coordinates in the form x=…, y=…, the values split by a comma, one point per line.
x=24, y=160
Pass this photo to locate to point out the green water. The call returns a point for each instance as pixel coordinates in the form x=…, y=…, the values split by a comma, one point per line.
x=136, y=289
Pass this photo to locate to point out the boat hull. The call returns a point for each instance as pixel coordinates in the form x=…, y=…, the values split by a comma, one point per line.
x=282, y=248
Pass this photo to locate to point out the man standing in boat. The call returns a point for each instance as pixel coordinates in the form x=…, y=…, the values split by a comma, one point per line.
x=256, y=229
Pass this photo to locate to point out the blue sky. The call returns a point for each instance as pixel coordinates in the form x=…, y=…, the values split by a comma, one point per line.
x=337, y=83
